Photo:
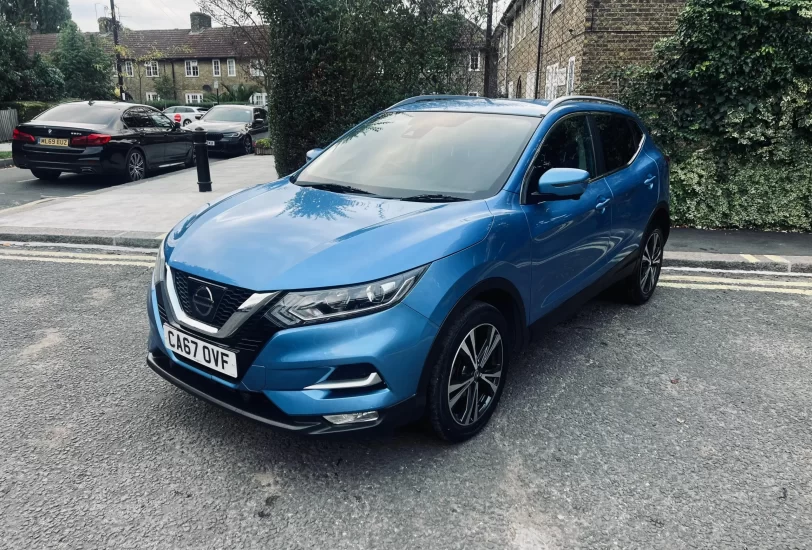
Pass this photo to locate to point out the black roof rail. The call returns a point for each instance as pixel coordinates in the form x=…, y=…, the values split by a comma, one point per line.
x=564, y=99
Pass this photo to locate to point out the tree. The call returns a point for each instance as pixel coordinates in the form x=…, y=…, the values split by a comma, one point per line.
x=42, y=16
x=165, y=86
x=87, y=68
x=21, y=77
x=235, y=94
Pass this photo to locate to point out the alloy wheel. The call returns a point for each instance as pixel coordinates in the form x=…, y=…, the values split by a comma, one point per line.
x=652, y=263
x=476, y=373
x=248, y=145
x=135, y=167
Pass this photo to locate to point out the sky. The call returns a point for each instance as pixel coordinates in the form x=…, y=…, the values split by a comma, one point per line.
x=135, y=14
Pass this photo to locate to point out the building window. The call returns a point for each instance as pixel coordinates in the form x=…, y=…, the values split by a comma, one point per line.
x=194, y=98
x=510, y=89
x=215, y=67
x=473, y=64
x=530, y=88
x=259, y=98
x=153, y=96
x=192, y=68
x=570, y=75
x=512, y=31
x=255, y=68
x=503, y=40
x=551, y=86
x=519, y=22
x=128, y=69
x=151, y=69
x=556, y=5
x=232, y=67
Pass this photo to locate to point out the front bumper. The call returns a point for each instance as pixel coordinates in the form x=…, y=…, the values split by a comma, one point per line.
x=394, y=342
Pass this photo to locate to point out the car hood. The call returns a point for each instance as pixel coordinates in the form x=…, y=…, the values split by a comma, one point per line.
x=281, y=236
x=218, y=126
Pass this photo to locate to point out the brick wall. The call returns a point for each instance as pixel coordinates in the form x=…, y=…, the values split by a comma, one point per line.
x=623, y=32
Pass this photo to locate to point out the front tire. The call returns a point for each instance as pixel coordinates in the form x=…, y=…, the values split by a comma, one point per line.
x=468, y=378
x=47, y=175
x=136, y=166
x=641, y=284
x=248, y=145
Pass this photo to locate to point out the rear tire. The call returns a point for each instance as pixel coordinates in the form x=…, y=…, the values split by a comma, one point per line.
x=641, y=284
x=187, y=122
x=135, y=169
x=191, y=159
x=47, y=175
x=469, y=375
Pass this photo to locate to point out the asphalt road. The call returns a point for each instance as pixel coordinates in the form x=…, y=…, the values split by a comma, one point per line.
x=681, y=424
x=18, y=186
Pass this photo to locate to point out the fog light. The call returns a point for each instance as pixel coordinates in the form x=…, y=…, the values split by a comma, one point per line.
x=352, y=418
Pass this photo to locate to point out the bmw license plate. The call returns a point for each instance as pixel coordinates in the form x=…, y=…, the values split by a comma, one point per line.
x=53, y=141
x=210, y=143
x=201, y=352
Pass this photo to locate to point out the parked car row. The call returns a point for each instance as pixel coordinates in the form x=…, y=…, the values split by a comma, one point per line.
x=130, y=140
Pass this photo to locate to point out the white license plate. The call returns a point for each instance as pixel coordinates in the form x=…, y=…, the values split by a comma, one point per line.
x=210, y=143
x=209, y=356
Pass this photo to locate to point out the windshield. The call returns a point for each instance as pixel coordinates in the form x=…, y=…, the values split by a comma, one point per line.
x=94, y=115
x=403, y=154
x=228, y=115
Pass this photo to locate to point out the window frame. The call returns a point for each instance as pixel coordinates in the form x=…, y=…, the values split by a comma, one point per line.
x=216, y=70
x=587, y=115
x=231, y=63
x=535, y=14
x=556, y=4
x=254, y=70
x=601, y=162
x=156, y=97
x=478, y=61
x=128, y=69
x=195, y=94
x=569, y=85
x=191, y=65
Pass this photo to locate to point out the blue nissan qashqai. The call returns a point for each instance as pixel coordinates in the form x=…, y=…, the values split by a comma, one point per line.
x=396, y=273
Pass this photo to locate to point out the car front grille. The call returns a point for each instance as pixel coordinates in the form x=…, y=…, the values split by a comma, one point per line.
x=233, y=298
x=246, y=342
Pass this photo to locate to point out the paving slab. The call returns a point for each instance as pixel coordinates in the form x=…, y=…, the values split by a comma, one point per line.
x=135, y=214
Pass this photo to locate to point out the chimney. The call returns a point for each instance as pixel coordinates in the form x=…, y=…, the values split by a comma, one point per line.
x=200, y=21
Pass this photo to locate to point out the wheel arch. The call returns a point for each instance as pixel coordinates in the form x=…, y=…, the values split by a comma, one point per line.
x=501, y=294
x=662, y=217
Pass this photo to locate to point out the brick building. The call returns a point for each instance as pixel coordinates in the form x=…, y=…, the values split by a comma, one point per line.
x=579, y=40
x=194, y=58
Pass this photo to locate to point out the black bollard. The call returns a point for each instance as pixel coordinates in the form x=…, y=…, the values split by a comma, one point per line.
x=202, y=153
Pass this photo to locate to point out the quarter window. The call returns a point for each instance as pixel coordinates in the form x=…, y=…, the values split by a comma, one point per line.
x=567, y=145
x=619, y=139
x=191, y=68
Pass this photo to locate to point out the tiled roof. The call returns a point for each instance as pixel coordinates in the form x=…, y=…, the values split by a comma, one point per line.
x=171, y=43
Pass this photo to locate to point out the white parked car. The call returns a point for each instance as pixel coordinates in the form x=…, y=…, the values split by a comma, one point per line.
x=184, y=115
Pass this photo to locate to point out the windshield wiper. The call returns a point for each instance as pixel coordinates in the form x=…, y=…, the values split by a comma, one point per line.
x=434, y=198
x=337, y=188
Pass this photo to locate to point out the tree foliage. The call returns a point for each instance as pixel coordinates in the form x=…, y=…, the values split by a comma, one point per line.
x=165, y=86
x=730, y=99
x=332, y=64
x=87, y=68
x=22, y=77
x=41, y=16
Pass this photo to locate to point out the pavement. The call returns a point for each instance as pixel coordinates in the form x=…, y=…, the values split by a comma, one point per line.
x=140, y=214
x=135, y=214
x=683, y=423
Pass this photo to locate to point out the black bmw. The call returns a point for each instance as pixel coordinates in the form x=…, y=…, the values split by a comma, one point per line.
x=233, y=128
x=100, y=137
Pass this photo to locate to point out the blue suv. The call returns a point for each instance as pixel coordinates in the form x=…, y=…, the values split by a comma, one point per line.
x=395, y=275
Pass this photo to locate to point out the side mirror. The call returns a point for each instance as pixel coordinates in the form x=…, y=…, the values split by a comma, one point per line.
x=313, y=153
x=176, y=125
x=259, y=122
x=559, y=184
x=197, y=117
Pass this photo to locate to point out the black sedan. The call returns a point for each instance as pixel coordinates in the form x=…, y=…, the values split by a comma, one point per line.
x=233, y=128
x=100, y=137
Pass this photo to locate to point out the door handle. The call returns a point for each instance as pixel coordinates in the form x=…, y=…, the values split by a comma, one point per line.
x=650, y=181
x=602, y=205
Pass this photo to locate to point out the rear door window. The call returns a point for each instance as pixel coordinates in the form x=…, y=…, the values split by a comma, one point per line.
x=138, y=117
x=620, y=140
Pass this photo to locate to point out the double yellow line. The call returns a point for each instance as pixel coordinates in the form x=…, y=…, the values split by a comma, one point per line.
x=726, y=283
x=136, y=260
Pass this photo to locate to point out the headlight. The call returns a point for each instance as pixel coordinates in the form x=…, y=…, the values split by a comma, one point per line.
x=159, y=271
x=319, y=306
x=232, y=135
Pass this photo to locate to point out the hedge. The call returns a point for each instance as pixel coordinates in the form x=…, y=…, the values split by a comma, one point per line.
x=27, y=110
